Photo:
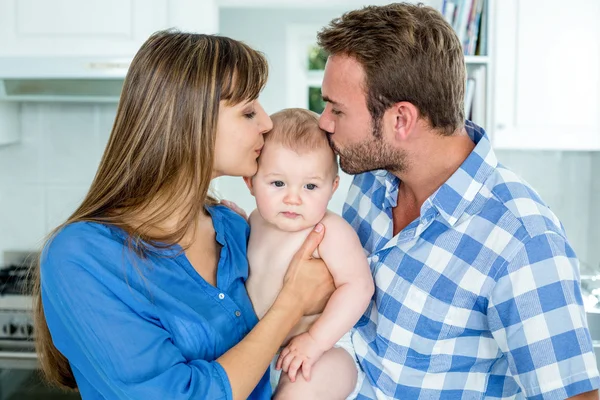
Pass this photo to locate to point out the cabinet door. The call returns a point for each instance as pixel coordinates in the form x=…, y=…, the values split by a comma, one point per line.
x=547, y=70
x=95, y=27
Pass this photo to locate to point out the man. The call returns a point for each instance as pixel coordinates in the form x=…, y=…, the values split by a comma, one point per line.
x=477, y=287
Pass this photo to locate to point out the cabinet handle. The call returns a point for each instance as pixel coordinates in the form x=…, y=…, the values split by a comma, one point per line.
x=108, y=65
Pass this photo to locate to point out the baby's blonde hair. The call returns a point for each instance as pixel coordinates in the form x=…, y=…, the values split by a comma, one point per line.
x=298, y=129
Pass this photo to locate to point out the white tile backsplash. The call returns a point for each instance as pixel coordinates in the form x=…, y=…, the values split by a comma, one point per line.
x=44, y=177
x=21, y=163
x=61, y=201
x=22, y=217
x=69, y=138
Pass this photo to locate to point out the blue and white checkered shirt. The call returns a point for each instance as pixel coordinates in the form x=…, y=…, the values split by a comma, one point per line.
x=478, y=297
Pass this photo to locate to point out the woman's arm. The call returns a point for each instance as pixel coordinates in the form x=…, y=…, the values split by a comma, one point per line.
x=307, y=286
x=124, y=351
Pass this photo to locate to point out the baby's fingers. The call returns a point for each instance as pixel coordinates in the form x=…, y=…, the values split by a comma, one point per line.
x=293, y=370
x=285, y=365
x=282, y=355
x=306, y=367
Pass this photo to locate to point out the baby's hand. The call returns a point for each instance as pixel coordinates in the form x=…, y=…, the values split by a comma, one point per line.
x=302, y=351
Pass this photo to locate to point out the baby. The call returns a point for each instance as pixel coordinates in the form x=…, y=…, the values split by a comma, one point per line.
x=297, y=176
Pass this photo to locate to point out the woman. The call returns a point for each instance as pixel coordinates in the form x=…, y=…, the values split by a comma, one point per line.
x=140, y=293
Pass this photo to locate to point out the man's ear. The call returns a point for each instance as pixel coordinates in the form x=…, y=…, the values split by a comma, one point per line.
x=248, y=180
x=405, y=116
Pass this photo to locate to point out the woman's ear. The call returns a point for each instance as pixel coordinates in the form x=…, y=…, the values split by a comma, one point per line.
x=248, y=180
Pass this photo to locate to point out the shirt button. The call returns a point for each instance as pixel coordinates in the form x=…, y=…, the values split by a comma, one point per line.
x=375, y=259
x=237, y=313
x=221, y=296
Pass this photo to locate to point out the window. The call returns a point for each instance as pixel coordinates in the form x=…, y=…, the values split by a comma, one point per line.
x=306, y=62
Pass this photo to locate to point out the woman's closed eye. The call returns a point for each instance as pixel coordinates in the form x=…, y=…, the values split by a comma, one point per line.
x=250, y=115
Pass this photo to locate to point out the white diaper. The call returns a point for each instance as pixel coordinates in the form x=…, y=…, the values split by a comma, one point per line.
x=345, y=343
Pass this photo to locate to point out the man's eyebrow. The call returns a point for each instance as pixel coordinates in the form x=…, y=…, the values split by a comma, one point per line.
x=328, y=100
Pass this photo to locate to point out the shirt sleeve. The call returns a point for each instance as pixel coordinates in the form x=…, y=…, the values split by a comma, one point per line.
x=119, y=346
x=536, y=316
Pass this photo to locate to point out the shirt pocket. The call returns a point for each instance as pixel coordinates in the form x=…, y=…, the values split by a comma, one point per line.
x=416, y=325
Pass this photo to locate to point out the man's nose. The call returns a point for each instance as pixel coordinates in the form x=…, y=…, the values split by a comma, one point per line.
x=326, y=122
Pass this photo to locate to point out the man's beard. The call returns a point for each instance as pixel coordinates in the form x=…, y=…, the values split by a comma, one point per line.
x=370, y=154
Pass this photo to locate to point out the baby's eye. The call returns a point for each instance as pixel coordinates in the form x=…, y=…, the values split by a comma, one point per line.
x=278, y=183
x=311, y=186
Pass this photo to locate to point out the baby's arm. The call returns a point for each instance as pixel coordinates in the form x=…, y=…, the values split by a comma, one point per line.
x=343, y=253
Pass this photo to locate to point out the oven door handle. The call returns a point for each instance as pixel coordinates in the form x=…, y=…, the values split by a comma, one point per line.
x=18, y=360
x=18, y=355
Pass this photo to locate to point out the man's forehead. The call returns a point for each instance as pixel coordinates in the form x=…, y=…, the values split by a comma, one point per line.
x=342, y=72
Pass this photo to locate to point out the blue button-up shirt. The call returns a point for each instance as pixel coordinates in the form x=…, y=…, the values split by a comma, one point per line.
x=478, y=297
x=150, y=328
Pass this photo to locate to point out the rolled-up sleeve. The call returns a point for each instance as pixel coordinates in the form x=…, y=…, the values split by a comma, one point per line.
x=118, y=344
x=536, y=316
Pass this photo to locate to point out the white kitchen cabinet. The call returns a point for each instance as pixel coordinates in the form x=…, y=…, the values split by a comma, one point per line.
x=95, y=27
x=547, y=75
x=102, y=28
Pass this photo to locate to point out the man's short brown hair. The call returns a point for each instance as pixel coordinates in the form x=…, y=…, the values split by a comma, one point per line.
x=298, y=129
x=409, y=53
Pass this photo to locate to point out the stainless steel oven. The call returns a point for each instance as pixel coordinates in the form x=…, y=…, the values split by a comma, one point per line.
x=20, y=377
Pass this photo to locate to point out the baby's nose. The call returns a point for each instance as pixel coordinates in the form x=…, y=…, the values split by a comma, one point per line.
x=292, y=198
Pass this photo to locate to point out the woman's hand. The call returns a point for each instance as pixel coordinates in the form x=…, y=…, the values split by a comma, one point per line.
x=234, y=207
x=308, y=283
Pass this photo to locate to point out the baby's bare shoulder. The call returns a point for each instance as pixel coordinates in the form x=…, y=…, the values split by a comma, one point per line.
x=338, y=233
x=334, y=222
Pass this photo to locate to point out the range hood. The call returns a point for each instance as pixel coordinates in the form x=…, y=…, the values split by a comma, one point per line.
x=68, y=79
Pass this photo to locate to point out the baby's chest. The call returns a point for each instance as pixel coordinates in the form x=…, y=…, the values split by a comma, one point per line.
x=271, y=254
x=269, y=263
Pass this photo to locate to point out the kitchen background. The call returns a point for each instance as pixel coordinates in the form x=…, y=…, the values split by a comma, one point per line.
x=538, y=102
x=46, y=172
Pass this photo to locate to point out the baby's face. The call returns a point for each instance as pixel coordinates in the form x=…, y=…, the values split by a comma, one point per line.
x=292, y=190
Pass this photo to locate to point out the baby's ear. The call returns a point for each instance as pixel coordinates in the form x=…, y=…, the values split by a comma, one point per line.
x=248, y=180
x=336, y=184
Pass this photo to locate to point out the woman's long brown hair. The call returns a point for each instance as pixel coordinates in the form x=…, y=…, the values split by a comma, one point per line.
x=160, y=151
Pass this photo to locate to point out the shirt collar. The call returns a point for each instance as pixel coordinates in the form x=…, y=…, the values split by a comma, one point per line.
x=391, y=183
x=459, y=191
